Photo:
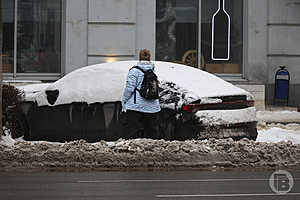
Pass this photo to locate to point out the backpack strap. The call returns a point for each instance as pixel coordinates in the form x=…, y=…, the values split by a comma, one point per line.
x=137, y=67
x=135, y=95
x=135, y=89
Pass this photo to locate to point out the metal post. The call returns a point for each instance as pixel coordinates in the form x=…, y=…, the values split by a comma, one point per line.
x=199, y=35
x=1, y=68
x=15, y=39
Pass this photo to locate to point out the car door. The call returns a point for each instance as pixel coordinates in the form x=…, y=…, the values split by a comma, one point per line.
x=113, y=118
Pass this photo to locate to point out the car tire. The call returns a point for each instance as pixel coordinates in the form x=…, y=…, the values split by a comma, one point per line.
x=167, y=123
x=18, y=125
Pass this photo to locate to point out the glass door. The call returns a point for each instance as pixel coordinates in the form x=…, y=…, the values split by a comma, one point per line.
x=31, y=32
x=39, y=36
x=7, y=30
x=177, y=31
x=218, y=24
x=222, y=36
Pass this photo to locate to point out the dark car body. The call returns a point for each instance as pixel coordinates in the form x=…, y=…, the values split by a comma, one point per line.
x=73, y=119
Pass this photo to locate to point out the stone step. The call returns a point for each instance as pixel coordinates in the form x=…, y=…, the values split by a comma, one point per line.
x=281, y=108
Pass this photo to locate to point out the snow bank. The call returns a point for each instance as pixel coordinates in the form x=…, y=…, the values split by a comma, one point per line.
x=278, y=116
x=278, y=135
x=7, y=140
x=105, y=82
x=277, y=132
x=146, y=153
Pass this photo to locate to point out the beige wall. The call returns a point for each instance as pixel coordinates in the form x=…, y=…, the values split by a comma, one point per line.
x=107, y=30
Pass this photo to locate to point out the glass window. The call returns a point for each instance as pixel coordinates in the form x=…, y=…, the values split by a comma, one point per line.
x=222, y=36
x=177, y=31
x=39, y=36
x=7, y=31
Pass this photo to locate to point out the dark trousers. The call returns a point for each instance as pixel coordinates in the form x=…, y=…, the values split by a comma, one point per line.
x=140, y=125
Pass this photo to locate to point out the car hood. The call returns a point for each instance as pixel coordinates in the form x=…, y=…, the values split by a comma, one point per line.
x=106, y=82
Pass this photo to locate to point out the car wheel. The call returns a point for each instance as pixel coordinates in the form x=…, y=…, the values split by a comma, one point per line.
x=18, y=125
x=167, y=123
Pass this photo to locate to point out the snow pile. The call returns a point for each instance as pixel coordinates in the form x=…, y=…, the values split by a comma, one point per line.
x=289, y=126
x=7, y=140
x=149, y=153
x=271, y=128
x=278, y=135
x=277, y=132
x=105, y=83
x=278, y=116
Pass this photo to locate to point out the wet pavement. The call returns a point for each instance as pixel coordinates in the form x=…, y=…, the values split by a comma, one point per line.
x=191, y=184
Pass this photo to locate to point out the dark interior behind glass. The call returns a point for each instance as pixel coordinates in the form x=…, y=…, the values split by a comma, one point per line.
x=39, y=36
x=234, y=9
x=177, y=31
x=7, y=25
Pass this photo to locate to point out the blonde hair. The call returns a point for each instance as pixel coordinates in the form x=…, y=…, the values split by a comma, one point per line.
x=144, y=55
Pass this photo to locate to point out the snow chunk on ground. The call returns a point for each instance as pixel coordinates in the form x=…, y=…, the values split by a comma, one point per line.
x=277, y=132
x=278, y=135
x=7, y=139
x=278, y=116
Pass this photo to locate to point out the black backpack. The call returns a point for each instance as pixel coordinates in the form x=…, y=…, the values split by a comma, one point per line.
x=149, y=89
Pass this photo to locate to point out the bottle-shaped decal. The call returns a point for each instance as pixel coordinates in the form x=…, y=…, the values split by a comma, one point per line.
x=220, y=33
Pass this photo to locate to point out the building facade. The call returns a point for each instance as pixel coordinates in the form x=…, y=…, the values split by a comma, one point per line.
x=242, y=41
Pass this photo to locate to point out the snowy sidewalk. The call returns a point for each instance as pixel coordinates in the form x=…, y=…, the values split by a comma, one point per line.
x=277, y=126
x=278, y=116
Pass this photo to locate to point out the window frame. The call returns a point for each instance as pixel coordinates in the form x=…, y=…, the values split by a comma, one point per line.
x=227, y=76
x=230, y=76
x=37, y=76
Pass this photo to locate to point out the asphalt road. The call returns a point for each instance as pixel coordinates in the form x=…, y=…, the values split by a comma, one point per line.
x=144, y=185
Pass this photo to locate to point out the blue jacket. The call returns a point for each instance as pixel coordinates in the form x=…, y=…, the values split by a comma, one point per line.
x=134, y=80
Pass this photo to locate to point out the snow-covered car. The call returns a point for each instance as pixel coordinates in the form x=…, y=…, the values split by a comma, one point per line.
x=86, y=104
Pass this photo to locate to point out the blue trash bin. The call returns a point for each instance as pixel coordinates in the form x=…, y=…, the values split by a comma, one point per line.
x=282, y=82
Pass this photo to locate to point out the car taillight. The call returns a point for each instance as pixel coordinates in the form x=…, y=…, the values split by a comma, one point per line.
x=250, y=103
x=239, y=104
x=191, y=107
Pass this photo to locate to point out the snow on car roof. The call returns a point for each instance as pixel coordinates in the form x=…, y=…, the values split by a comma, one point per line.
x=105, y=83
x=199, y=82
